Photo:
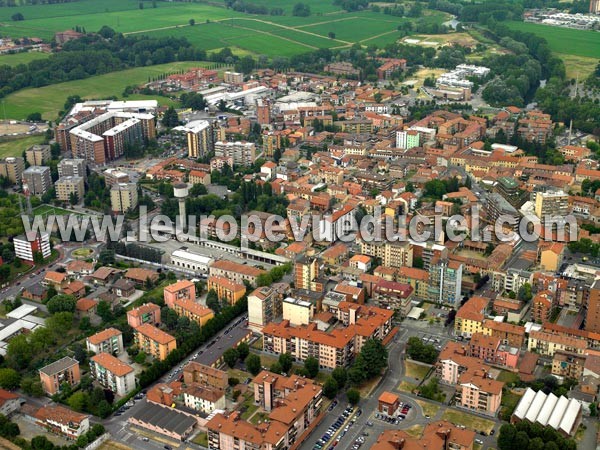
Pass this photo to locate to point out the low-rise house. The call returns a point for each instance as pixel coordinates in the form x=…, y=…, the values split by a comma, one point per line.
x=9, y=402
x=86, y=307
x=141, y=276
x=61, y=420
x=35, y=292
x=123, y=288
x=57, y=280
x=203, y=398
x=75, y=288
x=436, y=435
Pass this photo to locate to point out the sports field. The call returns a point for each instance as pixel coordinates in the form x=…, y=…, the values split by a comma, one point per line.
x=49, y=100
x=564, y=40
x=21, y=58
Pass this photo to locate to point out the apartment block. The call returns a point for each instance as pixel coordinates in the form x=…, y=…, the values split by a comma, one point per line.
x=243, y=153
x=264, y=306
x=38, y=155
x=30, y=243
x=479, y=393
x=112, y=373
x=551, y=204
x=72, y=167
x=445, y=282
x=592, y=310
x=453, y=361
x=391, y=254
x=123, y=197
x=114, y=176
x=193, y=311
x=204, y=375
x=37, y=179
x=568, y=365
x=238, y=273
x=199, y=138
x=394, y=295
x=547, y=344
x=12, y=169
x=306, y=274
x=436, y=435
x=297, y=312
x=407, y=139
x=65, y=370
x=469, y=318
x=203, y=398
x=181, y=290
x=69, y=185
x=226, y=290
x=106, y=341
x=147, y=313
x=154, y=342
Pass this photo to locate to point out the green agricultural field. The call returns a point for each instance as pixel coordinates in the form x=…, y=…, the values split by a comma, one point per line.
x=49, y=100
x=16, y=147
x=261, y=44
x=21, y=58
x=564, y=40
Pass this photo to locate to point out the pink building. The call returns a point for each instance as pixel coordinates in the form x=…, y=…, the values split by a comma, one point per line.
x=479, y=393
x=147, y=313
x=182, y=290
x=490, y=350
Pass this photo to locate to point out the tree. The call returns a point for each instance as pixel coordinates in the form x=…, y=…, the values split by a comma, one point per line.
x=243, y=350
x=60, y=323
x=506, y=436
x=170, y=118
x=375, y=357
x=192, y=22
x=331, y=35
x=104, y=310
x=78, y=401
x=301, y=10
x=253, y=364
x=34, y=117
x=17, y=17
x=330, y=387
x=212, y=301
x=311, y=364
x=9, y=379
x=140, y=358
x=73, y=198
x=222, y=105
x=230, y=356
x=61, y=303
x=286, y=360
x=353, y=396
x=339, y=374
x=232, y=381
x=276, y=368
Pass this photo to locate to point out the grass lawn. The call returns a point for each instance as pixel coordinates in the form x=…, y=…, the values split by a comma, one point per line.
x=201, y=439
x=508, y=377
x=49, y=100
x=414, y=370
x=239, y=374
x=509, y=403
x=82, y=252
x=468, y=420
x=415, y=431
x=21, y=58
x=429, y=409
x=405, y=386
x=563, y=40
x=16, y=147
x=258, y=344
x=578, y=65
x=46, y=210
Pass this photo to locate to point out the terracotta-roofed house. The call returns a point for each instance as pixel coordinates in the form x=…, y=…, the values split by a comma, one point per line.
x=61, y=420
x=147, y=313
x=112, y=373
x=106, y=341
x=154, y=341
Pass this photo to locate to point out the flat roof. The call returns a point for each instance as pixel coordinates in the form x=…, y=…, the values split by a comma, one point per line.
x=229, y=340
x=196, y=257
x=21, y=311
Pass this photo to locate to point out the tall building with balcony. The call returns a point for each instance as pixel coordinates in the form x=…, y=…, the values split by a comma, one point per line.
x=551, y=204
x=37, y=155
x=12, y=169
x=264, y=307
x=123, y=197
x=73, y=167
x=112, y=373
x=37, y=179
x=199, y=136
x=28, y=244
x=65, y=370
x=182, y=290
x=445, y=282
x=154, y=342
x=147, y=313
x=106, y=341
x=243, y=153
x=68, y=186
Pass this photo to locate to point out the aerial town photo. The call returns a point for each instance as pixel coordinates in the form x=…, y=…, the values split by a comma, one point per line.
x=300, y=224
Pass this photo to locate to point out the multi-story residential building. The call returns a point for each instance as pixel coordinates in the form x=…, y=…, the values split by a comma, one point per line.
x=436, y=435
x=106, y=341
x=203, y=398
x=469, y=318
x=490, y=350
x=391, y=254
x=226, y=290
x=297, y=312
x=199, y=138
x=114, y=176
x=193, y=311
x=337, y=224
x=181, y=290
x=264, y=306
x=337, y=347
x=60, y=420
x=123, y=197
x=535, y=126
x=263, y=111
x=453, y=362
x=12, y=169
x=9, y=403
x=592, y=310
x=37, y=155
x=407, y=139
x=551, y=204
x=568, y=365
x=37, y=179
x=508, y=333
x=147, y=313
x=30, y=243
x=238, y=273
x=198, y=176
x=154, y=342
x=291, y=404
x=445, y=282
x=547, y=344
x=306, y=274
x=243, y=153
x=541, y=306
x=112, y=373
x=74, y=167
x=65, y=370
x=203, y=375
x=67, y=186
x=498, y=207
x=394, y=295
x=480, y=394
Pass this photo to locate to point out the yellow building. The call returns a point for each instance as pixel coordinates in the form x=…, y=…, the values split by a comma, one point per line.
x=154, y=342
x=551, y=204
x=65, y=186
x=226, y=289
x=193, y=311
x=469, y=318
x=551, y=257
x=123, y=197
x=298, y=312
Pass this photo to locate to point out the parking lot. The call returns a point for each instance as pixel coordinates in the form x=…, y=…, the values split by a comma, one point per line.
x=338, y=429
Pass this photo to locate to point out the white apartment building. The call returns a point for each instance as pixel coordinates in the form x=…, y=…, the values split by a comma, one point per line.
x=112, y=373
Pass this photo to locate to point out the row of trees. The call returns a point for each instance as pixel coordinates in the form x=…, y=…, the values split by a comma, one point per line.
x=419, y=351
x=528, y=436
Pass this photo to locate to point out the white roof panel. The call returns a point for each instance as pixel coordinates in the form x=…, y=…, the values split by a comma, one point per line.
x=558, y=413
x=547, y=409
x=21, y=311
x=570, y=416
x=524, y=403
x=536, y=406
